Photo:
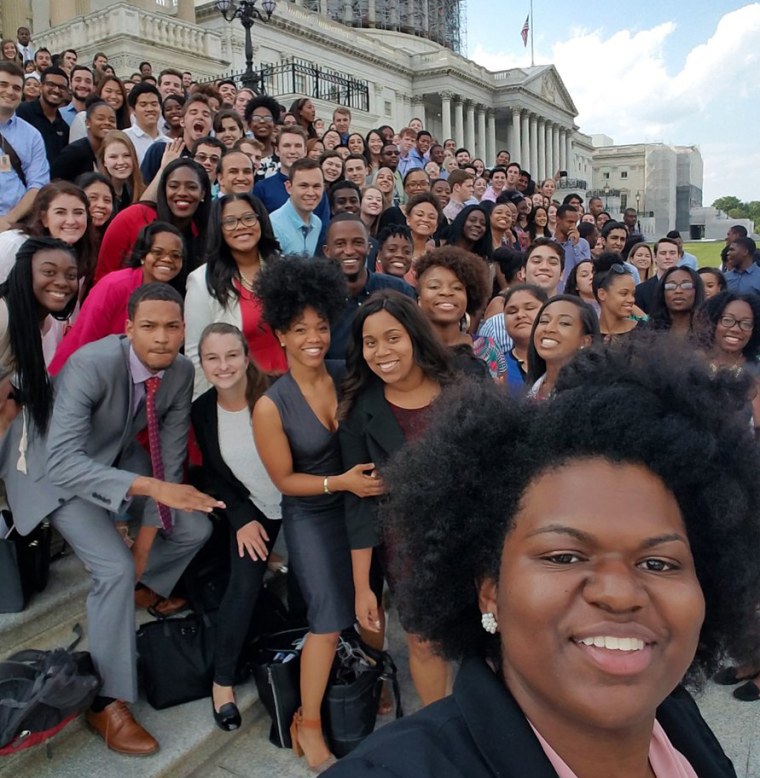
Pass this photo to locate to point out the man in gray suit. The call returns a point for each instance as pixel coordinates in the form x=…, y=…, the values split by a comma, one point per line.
x=98, y=470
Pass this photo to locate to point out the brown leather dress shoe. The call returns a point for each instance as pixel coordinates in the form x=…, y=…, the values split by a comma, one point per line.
x=156, y=604
x=116, y=725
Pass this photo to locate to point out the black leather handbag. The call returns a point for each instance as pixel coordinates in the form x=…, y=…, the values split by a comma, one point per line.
x=24, y=565
x=175, y=659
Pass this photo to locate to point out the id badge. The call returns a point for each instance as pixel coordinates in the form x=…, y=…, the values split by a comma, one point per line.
x=5, y=164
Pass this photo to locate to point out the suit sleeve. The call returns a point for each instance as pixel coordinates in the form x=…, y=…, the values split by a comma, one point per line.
x=361, y=512
x=78, y=392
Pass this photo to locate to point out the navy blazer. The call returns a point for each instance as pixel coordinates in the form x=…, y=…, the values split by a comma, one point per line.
x=369, y=434
x=480, y=732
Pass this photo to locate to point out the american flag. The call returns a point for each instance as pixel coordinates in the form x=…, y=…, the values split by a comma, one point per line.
x=525, y=30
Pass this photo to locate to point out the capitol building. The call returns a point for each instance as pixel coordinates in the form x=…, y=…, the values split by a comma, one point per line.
x=388, y=60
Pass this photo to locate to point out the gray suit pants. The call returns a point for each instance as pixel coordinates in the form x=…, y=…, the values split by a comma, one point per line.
x=91, y=532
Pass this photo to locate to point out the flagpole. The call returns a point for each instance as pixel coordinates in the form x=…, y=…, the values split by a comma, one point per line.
x=532, y=25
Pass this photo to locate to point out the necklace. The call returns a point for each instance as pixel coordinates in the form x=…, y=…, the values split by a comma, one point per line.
x=246, y=283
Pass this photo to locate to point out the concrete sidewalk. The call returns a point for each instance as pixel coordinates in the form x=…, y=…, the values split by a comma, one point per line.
x=250, y=755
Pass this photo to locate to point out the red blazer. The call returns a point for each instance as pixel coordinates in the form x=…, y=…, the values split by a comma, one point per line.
x=120, y=237
x=104, y=312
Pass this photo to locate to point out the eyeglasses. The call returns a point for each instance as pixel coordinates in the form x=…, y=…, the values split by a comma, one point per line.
x=621, y=270
x=261, y=119
x=53, y=85
x=229, y=223
x=417, y=184
x=159, y=254
x=747, y=325
x=671, y=286
x=201, y=157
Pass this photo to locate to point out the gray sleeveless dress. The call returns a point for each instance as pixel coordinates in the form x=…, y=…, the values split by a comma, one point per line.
x=315, y=527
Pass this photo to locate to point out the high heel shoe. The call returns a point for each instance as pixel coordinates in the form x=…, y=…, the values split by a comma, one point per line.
x=227, y=717
x=298, y=723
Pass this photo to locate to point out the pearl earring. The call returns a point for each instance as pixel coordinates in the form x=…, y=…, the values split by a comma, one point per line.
x=488, y=620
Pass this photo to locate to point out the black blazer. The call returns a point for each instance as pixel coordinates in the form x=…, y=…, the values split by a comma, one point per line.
x=480, y=732
x=644, y=293
x=75, y=159
x=369, y=434
x=240, y=510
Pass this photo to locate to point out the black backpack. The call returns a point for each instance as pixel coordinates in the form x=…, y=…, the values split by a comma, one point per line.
x=41, y=692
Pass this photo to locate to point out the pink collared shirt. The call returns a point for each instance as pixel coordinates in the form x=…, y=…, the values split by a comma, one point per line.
x=666, y=760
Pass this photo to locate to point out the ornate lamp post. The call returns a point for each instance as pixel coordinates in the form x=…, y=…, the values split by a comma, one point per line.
x=248, y=13
x=606, y=197
x=638, y=199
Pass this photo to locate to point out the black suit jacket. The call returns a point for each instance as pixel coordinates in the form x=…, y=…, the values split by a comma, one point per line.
x=77, y=158
x=369, y=434
x=480, y=732
x=240, y=510
x=644, y=294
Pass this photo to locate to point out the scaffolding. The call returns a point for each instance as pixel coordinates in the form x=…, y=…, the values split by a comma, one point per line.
x=442, y=21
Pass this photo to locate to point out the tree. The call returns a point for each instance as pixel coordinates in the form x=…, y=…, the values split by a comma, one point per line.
x=727, y=204
x=736, y=209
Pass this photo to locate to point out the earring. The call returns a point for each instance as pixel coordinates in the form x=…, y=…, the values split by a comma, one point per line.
x=488, y=620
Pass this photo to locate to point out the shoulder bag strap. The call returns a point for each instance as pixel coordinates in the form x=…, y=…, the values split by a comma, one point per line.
x=14, y=157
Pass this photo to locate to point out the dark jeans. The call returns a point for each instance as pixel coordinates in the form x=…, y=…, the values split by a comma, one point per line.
x=236, y=610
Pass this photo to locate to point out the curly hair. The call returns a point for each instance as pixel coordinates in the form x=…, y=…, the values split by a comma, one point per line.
x=144, y=242
x=449, y=531
x=659, y=315
x=709, y=313
x=455, y=233
x=287, y=286
x=470, y=269
x=263, y=101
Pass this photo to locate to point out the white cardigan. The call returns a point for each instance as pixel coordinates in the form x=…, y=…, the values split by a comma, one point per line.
x=201, y=309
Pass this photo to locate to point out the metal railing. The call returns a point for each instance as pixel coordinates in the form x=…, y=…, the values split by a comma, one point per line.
x=306, y=79
x=571, y=183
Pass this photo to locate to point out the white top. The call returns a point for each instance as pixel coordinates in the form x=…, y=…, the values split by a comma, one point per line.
x=141, y=140
x=78, y=129
x=10, y=242
x=240, y=455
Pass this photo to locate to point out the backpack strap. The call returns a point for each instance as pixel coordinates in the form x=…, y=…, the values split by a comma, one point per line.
x=14, y=158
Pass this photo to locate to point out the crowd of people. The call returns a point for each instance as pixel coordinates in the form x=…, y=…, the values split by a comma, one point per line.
x=194, y=272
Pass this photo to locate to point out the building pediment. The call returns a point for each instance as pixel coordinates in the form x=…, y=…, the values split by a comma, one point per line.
x=545, y=82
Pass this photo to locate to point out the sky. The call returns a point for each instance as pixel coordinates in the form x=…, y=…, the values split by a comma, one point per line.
x=678, y=72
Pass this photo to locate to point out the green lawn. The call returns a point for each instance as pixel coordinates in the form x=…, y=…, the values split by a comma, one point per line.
x=707, y=254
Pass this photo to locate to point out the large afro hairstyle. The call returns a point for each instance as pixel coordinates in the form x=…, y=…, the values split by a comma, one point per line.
x=454, y=493
x=288, y=285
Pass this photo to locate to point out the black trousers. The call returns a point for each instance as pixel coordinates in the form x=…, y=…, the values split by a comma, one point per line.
x=236, y=610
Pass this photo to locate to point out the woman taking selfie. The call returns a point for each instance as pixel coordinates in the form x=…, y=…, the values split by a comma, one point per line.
x=575, y=632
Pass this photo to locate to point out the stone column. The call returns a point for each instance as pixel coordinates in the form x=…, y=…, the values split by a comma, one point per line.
x=555, y=148
x=569, y=154
x=445, y=115
x=458, y=122
x=418, y=109
x=481, y=144
x=551, y=161
x=524, y=140
x=469, y=134
x=185, y=10
x=533, y=145
x=563, y=148
x=15, y=14
x=541, y=172
x=515, y=151
x=491, y=139
x=371, y=13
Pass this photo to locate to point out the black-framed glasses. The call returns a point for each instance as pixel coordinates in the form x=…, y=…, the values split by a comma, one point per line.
x=53, y=85
x=728, y=321
x=671, y=286
x=229, y=223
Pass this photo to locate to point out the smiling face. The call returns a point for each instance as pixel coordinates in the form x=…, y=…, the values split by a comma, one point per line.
x=388, y=350
x=156, y=333
x=501, y=218
x=332, y=169
x=306, y=190
x=422, y=220
x=237, y=173
x=519, y=314
x=734, y=328
x=442, y=296
x=101, y=203
x=102, y=120
x=395, y=256
x=230, y=132
x=241, y=229
x=331, y=139
x=223, y=361
x=619, y=298
x=559, y=333
x=164, y=259
x=356, y=171
x=372, y=202
x=384, y=180
x=641, y=257
x=65, y=218
x=474, y=227
x=375, y=143
x=228, y=93
x=183, y=192
x=348, y=244
x=544, y=268
x=603, y=616
x=118, y=161
x=307, y=339
x=55, y=279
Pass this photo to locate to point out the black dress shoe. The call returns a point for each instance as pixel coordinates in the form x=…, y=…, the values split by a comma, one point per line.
x=228, y=716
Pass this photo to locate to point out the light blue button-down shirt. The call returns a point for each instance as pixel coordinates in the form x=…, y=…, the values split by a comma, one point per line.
x=68, y=112
x=296, y=236
x=28, y=144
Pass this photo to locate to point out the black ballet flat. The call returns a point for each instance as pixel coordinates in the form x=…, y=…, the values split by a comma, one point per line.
x=228, y=716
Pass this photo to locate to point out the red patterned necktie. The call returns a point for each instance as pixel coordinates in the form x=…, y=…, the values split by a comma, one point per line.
x=154, y=441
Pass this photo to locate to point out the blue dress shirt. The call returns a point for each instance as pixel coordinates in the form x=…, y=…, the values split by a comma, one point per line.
x=29, y=146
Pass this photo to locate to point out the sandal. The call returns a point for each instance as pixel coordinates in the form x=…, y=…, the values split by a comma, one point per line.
x=298, y=723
